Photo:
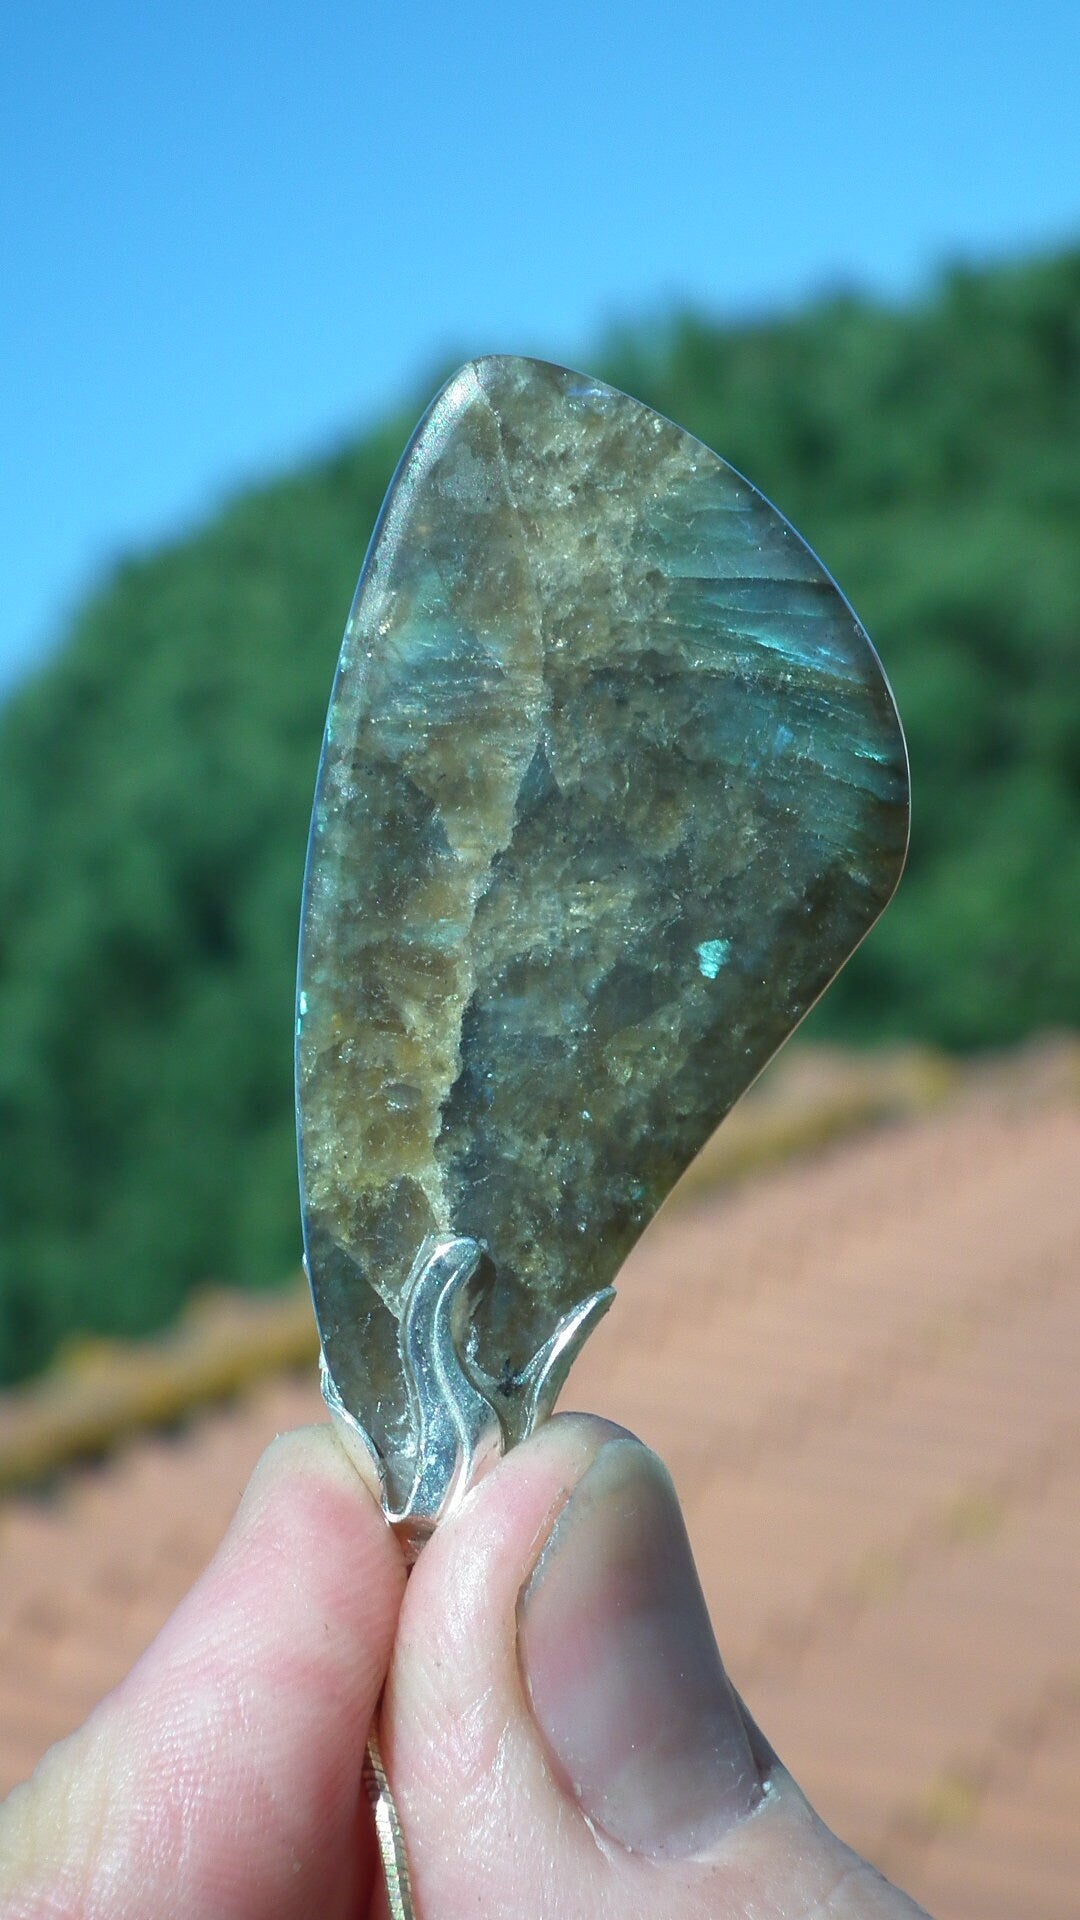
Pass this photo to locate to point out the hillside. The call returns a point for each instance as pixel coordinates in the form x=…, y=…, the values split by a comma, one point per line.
x=157, y=777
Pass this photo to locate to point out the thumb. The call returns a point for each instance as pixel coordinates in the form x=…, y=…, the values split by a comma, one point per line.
x=559, y=1730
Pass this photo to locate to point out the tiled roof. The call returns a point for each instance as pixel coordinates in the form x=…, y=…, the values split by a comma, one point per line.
x=862, y=1369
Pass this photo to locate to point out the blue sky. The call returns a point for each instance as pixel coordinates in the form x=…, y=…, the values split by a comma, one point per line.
x=231, y=234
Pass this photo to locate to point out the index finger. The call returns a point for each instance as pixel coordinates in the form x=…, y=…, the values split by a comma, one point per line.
x=222, y=1777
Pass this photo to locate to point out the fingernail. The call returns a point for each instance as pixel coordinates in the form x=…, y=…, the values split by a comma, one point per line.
x=622, y=1671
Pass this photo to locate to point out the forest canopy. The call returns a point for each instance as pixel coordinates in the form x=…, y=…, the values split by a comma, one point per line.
x=156, y=776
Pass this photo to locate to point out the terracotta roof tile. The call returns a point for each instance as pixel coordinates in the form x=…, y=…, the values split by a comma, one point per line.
x=862, y=1369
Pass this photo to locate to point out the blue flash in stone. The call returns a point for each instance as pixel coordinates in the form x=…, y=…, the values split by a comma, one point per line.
x=612, y=785
x=711, y=956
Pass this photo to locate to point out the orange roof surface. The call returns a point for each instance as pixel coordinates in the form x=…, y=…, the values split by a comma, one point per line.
x=862, y=1369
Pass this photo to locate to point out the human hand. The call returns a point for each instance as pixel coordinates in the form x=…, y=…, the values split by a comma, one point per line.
x=557, y=1725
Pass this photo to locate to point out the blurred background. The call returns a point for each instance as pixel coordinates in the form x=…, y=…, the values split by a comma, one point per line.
x=242, y=247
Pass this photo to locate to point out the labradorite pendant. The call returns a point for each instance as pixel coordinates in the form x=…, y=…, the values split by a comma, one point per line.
x=612, y=785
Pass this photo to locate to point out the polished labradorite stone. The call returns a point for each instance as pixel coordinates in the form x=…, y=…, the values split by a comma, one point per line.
x=612, y=785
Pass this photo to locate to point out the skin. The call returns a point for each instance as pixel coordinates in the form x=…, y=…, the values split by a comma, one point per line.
x=221, y=1780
